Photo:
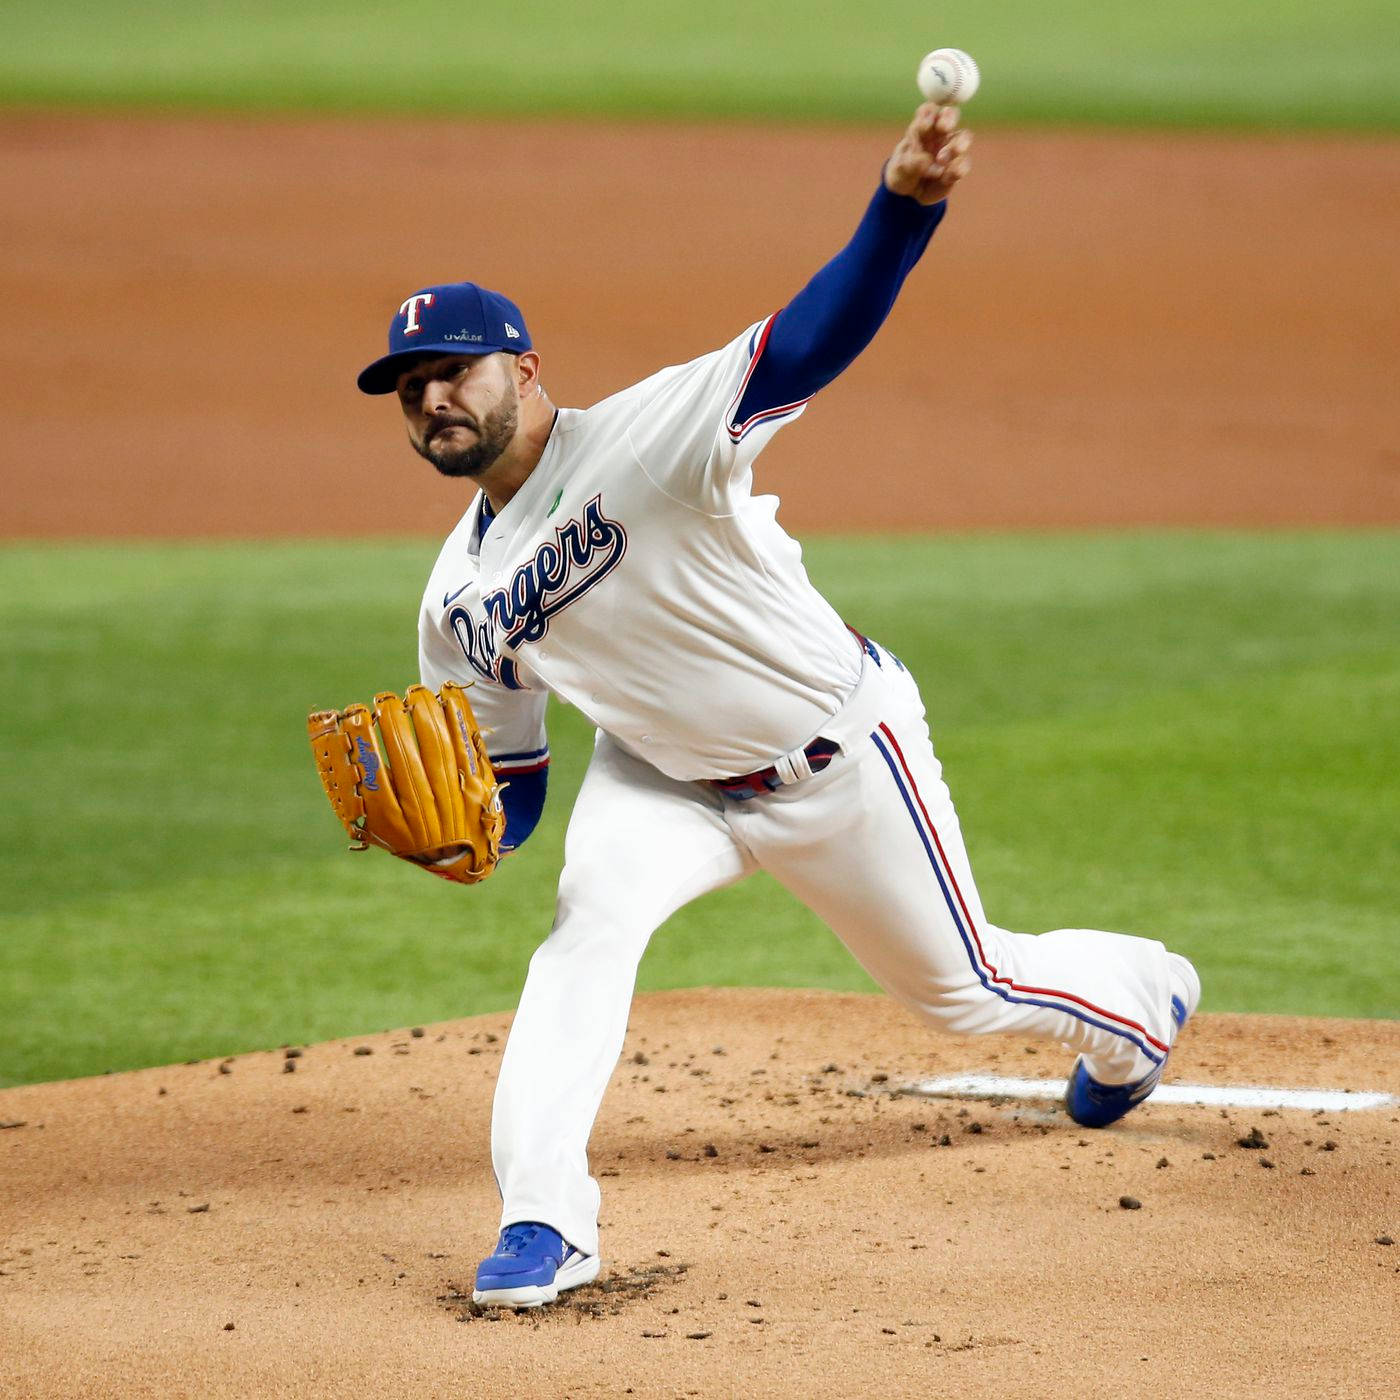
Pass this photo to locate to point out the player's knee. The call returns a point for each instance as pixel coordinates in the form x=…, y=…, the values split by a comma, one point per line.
x=956, y=1002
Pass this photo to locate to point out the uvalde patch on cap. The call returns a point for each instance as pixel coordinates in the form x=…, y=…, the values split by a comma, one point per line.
x=454, y=318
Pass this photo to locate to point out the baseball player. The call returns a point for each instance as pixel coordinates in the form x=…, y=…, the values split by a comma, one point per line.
x=618, y=558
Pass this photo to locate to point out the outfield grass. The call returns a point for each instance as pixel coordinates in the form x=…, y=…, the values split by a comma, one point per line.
x=1186, y=735
x=1293, y=63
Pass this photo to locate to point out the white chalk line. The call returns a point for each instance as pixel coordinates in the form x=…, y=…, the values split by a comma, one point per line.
x=996, y=1086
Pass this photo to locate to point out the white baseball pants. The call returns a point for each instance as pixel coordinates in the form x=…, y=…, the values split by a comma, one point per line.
x=872, y=845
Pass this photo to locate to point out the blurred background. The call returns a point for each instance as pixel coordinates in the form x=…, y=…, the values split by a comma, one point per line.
x=1120, y=479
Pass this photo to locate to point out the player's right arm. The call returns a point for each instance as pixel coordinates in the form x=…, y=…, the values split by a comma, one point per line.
x=700, y=426
x=837, y=314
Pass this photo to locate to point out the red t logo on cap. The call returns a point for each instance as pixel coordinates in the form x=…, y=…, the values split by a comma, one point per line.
x=410, y=310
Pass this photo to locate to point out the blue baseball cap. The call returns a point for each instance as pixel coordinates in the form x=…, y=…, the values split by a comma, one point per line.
x=456, y=318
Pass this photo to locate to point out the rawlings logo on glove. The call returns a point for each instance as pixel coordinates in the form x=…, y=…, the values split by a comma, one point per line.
x=429, y=795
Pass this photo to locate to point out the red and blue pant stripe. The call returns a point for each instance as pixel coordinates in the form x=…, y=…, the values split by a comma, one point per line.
x=993, y=980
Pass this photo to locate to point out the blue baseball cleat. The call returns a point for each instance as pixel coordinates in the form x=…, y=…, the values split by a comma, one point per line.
x=532, y=1264
x=1095, y=1105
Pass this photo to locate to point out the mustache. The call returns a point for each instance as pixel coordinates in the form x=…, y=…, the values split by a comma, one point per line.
x=456, y=420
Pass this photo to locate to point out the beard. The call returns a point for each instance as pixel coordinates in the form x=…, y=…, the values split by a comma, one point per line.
x=493, y=435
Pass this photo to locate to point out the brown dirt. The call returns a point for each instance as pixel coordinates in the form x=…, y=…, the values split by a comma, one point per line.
x=1110, y=329
x=777, y=1221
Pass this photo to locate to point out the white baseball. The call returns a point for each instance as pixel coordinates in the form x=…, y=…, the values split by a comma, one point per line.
x=948, y=75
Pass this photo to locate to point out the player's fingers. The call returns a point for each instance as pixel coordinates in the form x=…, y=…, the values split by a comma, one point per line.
x=937, y=128
x=941, y=179
x=924, y=155
x=924, y=119
x=922, y=133
x=957, y=146
x=908, y=161
x=926, y=176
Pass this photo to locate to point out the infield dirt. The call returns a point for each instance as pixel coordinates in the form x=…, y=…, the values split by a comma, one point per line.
x=779, y=1219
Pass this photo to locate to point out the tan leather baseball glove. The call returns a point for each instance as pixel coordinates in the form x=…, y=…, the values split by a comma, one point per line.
x=427, y=794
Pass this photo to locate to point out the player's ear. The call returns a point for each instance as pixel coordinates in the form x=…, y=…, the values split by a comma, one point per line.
x=527, y=372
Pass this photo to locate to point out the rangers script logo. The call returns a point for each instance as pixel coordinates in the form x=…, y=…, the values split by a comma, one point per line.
x=582, y=553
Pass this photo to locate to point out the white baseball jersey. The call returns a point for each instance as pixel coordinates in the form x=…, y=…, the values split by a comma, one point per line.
x=637, y=577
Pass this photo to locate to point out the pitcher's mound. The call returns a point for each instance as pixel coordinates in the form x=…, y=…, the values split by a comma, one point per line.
x=779, y=1218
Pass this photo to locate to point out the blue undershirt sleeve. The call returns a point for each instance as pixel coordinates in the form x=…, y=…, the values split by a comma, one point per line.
x=525, y=777
x=836, y=315
x=523, y=802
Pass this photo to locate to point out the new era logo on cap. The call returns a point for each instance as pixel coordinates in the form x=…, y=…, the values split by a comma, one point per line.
x=455, y=318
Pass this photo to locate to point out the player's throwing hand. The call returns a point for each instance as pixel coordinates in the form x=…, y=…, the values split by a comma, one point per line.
x=931, y=157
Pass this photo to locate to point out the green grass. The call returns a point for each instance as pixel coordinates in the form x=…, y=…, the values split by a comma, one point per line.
x=1290, y=64
x=1187, y=735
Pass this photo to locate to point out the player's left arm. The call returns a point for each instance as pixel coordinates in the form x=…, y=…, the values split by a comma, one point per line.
x=836, y=315
x=511, y=717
